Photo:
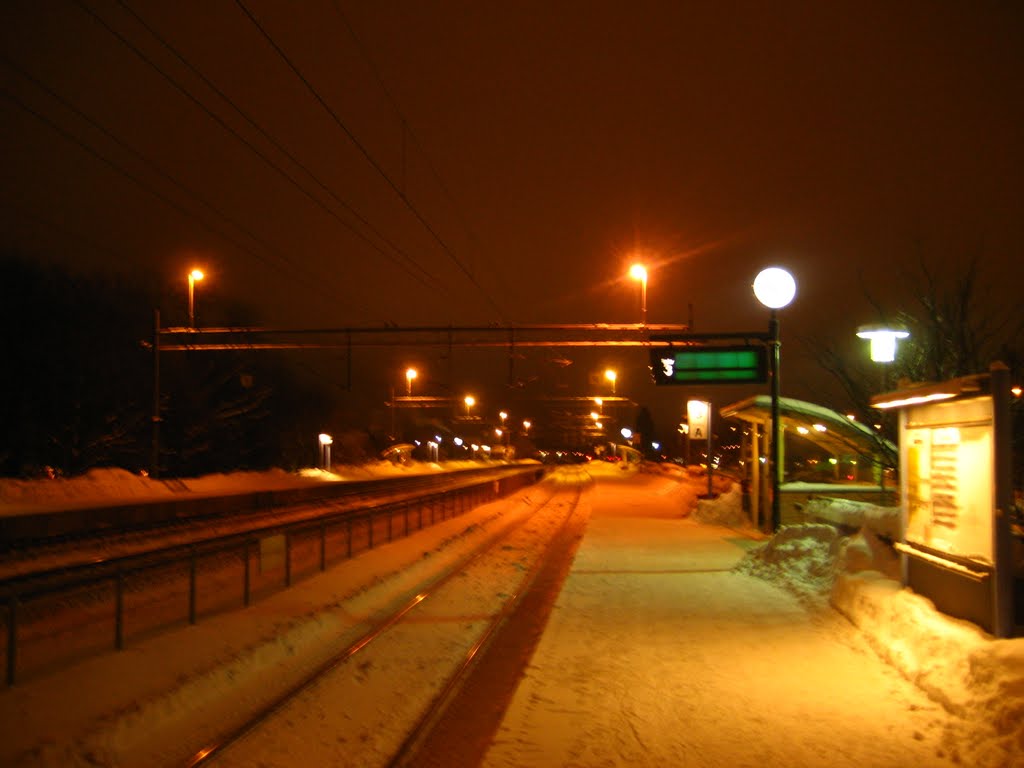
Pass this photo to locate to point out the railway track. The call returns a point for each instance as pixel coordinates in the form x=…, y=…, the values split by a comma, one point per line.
x=383, y=698
x=89, y=599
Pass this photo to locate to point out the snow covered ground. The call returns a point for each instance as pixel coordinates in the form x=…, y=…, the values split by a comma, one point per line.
x=675, y=641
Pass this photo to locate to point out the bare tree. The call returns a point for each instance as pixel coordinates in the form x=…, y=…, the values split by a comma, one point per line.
x=956, y=329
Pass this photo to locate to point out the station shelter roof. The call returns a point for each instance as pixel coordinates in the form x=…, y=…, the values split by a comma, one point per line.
x=832, y=431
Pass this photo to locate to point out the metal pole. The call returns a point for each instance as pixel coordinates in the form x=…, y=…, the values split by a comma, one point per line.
x=12, y=639
x=776, y=470
x=1004, y=621
x=711, y=492
x=154, y=459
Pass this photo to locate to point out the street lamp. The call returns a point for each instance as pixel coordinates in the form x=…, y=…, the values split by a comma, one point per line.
x=470, y=401
x=526, y=426
x=193, y=277
x=611, y=376
x=326, y=441
x=883, y=341
x=775, y=288
x=410, y=374
x=639, y=272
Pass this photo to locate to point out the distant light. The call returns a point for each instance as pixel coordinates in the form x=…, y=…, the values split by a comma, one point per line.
x=656, y=446
x=411, y=373
x=599, y=425
x=326, y=439
x=820, y=428
x=851, y=417
x=803, y=430
x=1016, y=391
x=470, y=401
x=774, y=287
x=638, y=272
x=458, y=441
x=196, y=274
x=626, y=432
x=527, y=424
x=611, y=375
x=438, y=438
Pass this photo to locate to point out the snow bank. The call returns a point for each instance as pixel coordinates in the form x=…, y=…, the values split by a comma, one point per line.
x=726, y=510
x=99, y=485
x=855, y=514
x=957, y=664
x=972, y=675
x=799, y=557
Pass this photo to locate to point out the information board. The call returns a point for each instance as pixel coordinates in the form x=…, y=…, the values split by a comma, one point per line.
x=747, y=364
x=949, y=454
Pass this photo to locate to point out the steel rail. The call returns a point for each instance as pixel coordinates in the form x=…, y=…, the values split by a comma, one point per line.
x=440, y=703
x=265, y=713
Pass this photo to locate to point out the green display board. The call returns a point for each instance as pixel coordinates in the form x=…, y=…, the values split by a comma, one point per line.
x=746, y=364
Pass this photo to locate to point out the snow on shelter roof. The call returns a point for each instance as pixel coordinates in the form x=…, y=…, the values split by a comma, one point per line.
x=840, y=436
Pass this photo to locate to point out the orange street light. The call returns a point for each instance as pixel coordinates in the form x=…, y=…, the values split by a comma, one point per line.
x=410, y=374
x=639, y=272
x=612, y=376
x=470, y=401
x=193, y=277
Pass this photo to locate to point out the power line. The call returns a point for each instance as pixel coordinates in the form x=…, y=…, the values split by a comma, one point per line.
x=406, y=128
x=276, y=144
x=311, y=280
x=187, y=94
x=369, y=158
x=89, y=149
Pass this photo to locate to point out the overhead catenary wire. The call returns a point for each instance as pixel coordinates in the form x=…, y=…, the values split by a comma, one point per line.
x=262, y=155
x=286, y=267
x=408, y=259
x=369, y=158
x=407, y=130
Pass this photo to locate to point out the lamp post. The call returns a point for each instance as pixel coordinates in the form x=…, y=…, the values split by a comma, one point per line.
x=193, y=277
x=612, y=376
x=410, y=374
x=325, y=448
x=639, y=272
x=883, y=340
x=775, y=288
x=470, y=401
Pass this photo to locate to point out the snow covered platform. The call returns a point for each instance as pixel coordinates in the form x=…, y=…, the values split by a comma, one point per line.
x=674, y=641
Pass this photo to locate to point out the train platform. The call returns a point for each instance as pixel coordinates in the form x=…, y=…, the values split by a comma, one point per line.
x=658, y=651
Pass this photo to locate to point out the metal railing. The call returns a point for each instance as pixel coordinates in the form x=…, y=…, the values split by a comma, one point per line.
x=56, y=616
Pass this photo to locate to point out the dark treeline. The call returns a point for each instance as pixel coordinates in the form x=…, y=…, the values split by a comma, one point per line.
x=78, y=387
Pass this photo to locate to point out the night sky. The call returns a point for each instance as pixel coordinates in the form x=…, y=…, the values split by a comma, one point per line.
x=355, y=164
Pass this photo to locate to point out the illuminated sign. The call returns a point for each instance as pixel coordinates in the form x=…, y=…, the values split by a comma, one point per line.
x=710, y=365
x=948, y=449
